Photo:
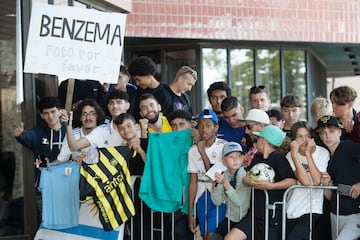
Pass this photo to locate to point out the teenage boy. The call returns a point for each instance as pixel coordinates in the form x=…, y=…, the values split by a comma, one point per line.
x=342, y=99
x=269, y=139
x=47, y=138
x=231, y=127
x=106, y=134
x=342, y=171
x=185, y=79
x=217, y=92
x=143, y=71
x=200, y=185
x=291, y=111
x=230, y=188
x=259, y=98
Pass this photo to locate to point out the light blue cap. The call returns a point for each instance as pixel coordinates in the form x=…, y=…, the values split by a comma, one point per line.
x=272, y=134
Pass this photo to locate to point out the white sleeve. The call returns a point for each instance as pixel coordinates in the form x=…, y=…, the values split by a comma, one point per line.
x=65, y=151
x=192, y=156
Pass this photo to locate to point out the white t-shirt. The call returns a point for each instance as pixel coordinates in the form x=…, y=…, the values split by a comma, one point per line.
x=196, y=164
x=65, y=152
x=299, y=199
x=104, y=135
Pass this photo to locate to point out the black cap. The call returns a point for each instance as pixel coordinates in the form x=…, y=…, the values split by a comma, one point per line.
x=326, y=121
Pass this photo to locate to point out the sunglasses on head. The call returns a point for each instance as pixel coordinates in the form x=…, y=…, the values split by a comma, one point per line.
x=260, y=87
x=192, y=72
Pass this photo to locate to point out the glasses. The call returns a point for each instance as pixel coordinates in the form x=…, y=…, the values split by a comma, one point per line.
x=192, y=72
x=257, y=89
x=90, y=114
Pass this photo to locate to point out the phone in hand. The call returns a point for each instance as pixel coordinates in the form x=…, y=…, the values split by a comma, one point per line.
x=344, y=189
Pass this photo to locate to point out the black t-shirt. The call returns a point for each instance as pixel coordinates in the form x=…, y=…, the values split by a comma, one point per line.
x=136, y=164
x=83, y=89
x=175, y=102
x=282, y=170
x=344, y=168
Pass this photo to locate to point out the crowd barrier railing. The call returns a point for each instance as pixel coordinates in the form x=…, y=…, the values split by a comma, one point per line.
x=268, y=207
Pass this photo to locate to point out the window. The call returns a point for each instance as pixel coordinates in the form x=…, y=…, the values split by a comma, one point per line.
x=242, y=74
x=295, y=76
x=214, y=69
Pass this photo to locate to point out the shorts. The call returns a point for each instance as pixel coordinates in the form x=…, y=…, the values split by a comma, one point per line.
x=207, y=214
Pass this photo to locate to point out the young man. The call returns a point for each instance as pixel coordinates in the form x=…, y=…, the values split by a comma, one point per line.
x=46, y=139
x=124, y=85
x=269, y=139
x=143, y=71
x=259, y=98
x=185, y=79
x=152, y=118
x=291, y=111
x=200, y=185
x=216, y=94
x=232, y=128
x=342, y=99
x=343, y=170
x=90, y=115
x=107, y=134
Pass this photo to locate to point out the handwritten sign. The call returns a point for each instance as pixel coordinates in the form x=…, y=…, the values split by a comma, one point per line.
x=74, y=42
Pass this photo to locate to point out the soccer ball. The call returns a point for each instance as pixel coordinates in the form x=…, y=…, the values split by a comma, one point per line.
x=262, y=171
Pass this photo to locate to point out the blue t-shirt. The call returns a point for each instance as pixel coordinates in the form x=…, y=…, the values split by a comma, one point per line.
x=227, y=133
x=59, y=187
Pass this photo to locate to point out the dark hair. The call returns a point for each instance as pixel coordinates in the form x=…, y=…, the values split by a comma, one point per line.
x=343, y=95
x=100, y=115
x=180, y=113
x=124, y=70
x=146, y=96
x=275, y=113
x=117, y=94
x=229, y=103
x=290, y=100
x=297, y=126
x=48, y=102
x=122, y=117
x=219, y=86
x=258, y=89
x=142, y=66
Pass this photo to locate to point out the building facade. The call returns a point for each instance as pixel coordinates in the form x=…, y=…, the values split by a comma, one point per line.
x=287, y=46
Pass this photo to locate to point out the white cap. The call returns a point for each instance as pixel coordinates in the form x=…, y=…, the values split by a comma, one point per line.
x=258, y=115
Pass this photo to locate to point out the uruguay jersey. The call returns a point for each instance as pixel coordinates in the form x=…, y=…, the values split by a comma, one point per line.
x=59, y=187
x=108, y=183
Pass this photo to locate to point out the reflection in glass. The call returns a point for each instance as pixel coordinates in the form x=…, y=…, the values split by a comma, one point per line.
x=242, y=74
x=268, y=73
x=175, y=59
x=295, y=76
x=11, y=174
x=214, y=69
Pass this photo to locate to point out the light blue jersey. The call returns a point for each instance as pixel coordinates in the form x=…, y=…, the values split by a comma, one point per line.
x=59, y=187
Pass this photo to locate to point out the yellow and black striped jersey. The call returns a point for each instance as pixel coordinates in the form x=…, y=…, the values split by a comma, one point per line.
x=108, y=183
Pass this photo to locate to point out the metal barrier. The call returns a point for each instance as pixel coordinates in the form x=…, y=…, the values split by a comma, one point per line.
x=311, y=188
x=268, y=207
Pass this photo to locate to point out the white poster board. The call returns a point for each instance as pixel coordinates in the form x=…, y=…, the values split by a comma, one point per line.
x=74, y=42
